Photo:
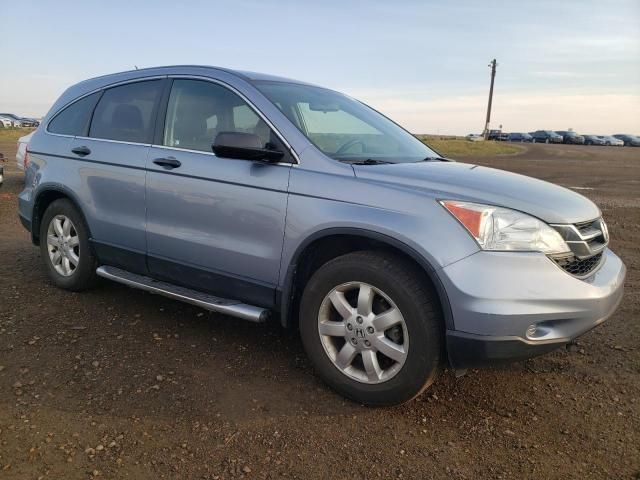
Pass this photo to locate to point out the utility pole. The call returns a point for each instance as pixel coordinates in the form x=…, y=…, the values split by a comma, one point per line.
x=493, y=64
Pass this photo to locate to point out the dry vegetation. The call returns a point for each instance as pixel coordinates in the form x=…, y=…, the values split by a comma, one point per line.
x=13, y=133
x=461, y=147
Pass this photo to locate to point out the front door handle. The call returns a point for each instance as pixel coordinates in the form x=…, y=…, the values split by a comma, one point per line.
x=81, y=151
x=168, y=163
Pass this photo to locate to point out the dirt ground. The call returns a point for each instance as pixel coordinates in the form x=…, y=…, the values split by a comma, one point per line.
x=117, y=383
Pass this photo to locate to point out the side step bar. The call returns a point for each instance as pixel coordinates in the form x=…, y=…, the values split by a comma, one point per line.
x=200, y=299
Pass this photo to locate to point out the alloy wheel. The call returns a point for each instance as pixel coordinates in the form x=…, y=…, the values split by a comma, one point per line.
x=63, y=245
x=363, y=332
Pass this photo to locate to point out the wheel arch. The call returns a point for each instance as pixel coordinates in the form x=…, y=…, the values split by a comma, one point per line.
x=45, y=197
x=324, y=245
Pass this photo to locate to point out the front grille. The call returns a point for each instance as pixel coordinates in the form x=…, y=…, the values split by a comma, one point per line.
x=587, y=241
x=577, y=267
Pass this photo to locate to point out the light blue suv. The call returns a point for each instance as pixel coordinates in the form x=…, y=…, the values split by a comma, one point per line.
x=255, y=195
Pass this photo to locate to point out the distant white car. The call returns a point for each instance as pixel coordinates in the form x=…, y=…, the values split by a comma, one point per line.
x=612, y=141
x=23, y=142
x=474, y=137
x=6, y=122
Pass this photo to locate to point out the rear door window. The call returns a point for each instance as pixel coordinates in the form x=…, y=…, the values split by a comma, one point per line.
x=74, y=119
x=127, y=113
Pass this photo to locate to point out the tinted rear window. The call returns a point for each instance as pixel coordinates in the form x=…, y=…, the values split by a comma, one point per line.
x=127, y=113
x=74, y=119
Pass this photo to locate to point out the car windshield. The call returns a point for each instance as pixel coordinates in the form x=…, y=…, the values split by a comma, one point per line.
x=343, y=128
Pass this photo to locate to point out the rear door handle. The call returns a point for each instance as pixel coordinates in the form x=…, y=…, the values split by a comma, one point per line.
x=168, y=163
x=81, y=151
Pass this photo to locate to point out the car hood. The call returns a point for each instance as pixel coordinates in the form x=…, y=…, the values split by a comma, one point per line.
x=462, y=181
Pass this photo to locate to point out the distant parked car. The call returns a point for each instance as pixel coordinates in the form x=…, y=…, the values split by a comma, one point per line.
x=594, y=140
x=6, y=122
x=474, y=137
x=520, y=137
x=612, y=141
x=21, y=121
x=22, y=158
x=571, y=137
x=497, y=135
x=629, y=140
x=546, y=136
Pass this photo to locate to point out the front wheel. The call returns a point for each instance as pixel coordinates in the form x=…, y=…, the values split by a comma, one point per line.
x=372, y=327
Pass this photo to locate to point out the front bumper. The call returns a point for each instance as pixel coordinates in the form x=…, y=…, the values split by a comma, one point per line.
x=496, y=297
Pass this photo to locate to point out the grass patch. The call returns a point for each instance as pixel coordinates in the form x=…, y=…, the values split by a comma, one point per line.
x=13, y=133
x=460, y=147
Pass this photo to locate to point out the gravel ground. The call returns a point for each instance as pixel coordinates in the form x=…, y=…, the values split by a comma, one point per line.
x=117, y=383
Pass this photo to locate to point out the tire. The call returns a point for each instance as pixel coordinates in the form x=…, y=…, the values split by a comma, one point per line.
x=420, y=335
x=533, y=140
x=75, y=245
x=546, y=140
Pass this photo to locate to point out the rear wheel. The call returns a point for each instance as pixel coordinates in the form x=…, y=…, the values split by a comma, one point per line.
x=64, y=246
x=372, y=327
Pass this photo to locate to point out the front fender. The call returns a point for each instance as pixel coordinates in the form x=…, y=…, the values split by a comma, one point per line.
x=427, y=267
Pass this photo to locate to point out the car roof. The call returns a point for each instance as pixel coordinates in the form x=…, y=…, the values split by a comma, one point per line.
x=170, y=69
x=95, y=83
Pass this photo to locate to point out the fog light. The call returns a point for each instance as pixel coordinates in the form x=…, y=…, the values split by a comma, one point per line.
x=531, y=330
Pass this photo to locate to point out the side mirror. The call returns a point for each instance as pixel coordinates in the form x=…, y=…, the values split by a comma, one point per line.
x=243, y=146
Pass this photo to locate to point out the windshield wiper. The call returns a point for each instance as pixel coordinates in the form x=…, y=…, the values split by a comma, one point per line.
x=369, y=161
x=433, y=159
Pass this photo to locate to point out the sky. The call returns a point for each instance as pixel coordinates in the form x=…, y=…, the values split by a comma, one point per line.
x=561, y=64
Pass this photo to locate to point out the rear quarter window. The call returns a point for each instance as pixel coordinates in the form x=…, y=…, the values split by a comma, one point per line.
x=74, y=119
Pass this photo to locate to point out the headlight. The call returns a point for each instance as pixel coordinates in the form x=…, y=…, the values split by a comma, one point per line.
x=496, y=228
